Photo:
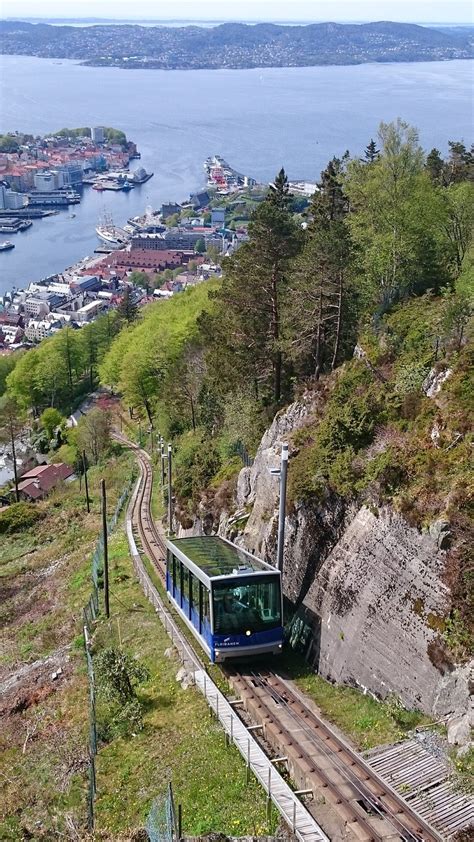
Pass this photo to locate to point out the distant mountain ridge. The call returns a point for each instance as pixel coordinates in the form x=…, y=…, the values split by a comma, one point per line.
x=235, y=45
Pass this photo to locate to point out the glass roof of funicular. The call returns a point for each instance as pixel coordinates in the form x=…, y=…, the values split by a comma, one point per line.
x=217, y=557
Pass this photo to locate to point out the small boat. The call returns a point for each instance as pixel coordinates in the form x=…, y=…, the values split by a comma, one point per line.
x=6, y=245
x=72, y=216
x=98, y=186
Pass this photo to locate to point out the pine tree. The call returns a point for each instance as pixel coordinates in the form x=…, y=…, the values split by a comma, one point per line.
x=279, y=191
x=371, y=152
x=127, y=309
x=245, y=330
x=329, y=203
x=461, y=162
x=320, y=293
x=435, y=166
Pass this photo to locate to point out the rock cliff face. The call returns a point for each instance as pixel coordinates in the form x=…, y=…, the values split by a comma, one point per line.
x=380, y=598
x=371, y=584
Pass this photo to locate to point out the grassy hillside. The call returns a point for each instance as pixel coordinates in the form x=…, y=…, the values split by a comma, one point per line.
x=44, y=582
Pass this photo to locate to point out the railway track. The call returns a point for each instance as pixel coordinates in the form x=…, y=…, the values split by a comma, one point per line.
x=368, y=805
x=315, y=754
x=150, y=538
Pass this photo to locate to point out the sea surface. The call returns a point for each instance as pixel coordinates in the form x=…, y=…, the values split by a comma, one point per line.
x=258, y=120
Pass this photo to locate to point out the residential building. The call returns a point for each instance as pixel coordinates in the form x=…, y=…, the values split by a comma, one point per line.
x=89, y=311
x=11, y=318
x=38, y=482
x=218, y=217
x=170, y=208
x=10, y=334
x=38, y=329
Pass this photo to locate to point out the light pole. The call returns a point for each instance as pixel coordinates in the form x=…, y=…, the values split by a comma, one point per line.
x=163, y=457
x=170, y=497
x=281, y=473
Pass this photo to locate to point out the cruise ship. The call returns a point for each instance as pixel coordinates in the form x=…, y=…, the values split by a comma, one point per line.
x=111, y=234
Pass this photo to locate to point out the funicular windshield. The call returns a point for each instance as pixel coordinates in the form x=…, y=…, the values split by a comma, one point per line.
x=246, y=604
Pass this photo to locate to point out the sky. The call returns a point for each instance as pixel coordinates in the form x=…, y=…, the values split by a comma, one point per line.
x=428, y=11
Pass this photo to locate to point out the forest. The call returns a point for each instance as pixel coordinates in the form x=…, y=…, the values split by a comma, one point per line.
x=380, y=262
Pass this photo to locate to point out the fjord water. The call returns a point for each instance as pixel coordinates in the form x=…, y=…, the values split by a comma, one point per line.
x=258, y=120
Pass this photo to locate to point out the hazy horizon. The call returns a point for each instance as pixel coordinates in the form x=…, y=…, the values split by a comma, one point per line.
x=456, y=12
x=164, y=21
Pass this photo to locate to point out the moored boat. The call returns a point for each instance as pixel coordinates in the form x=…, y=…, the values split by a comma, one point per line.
x=111, y=234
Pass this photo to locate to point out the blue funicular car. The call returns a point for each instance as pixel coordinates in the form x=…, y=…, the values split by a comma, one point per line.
x=231, y=600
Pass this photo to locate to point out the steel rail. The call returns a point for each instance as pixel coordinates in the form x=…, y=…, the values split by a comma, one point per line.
x=385, y=801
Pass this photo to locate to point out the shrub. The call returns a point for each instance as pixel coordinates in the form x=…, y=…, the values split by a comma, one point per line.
x=197, y=462
x=18, y=517
x=410, y=378
x=118, y=675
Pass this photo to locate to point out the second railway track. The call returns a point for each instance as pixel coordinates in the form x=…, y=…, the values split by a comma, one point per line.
x=369, y=808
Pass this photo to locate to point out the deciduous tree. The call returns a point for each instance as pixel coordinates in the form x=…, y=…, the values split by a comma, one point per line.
x=11, y=423
x=93, y=434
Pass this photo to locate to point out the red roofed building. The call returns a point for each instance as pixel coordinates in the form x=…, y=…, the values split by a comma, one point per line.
x=145, y=259
x=38, y=482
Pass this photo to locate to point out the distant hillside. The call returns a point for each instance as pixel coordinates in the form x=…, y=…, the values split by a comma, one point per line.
x=235, y=45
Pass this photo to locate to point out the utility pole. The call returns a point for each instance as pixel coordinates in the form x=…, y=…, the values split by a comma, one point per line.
x=282, y=507
x=15, y=468
x=170, y=495
x=86, y=484
x=106, y=549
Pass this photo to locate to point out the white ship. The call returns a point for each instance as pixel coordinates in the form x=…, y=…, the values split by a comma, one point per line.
x=111, y=234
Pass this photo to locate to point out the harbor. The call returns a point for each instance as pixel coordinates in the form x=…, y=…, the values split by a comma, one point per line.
x=43, y=176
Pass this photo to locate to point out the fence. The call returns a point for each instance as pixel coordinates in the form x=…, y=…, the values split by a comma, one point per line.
x=90, y=613
x=162, y=821
x=242, y=451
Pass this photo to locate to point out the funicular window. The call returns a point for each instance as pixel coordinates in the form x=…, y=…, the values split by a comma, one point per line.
x=179, y=583
x=205, y=610
x=185, y=590
x=247, y=604
x=195, y=592
x=173, y=572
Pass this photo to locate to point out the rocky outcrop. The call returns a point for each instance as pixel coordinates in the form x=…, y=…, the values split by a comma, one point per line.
x=371, y=584
x=381, y=602
x=310, y=530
